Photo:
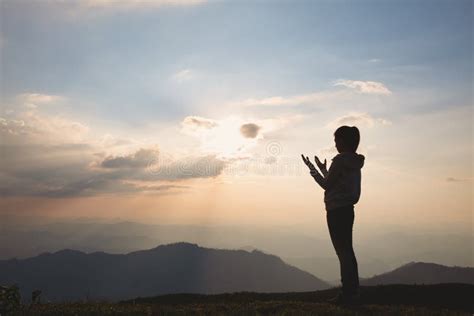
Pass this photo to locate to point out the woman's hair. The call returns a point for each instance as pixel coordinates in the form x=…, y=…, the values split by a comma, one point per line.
x=349, y=135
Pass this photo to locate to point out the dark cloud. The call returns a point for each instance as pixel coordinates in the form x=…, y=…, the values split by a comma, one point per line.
x=140, y=159
x=95, y=185
x=249, y=130
x=70, y=171
x=51, y=156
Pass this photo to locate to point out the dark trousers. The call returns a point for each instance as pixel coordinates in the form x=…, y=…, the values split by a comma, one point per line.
x=340, y=222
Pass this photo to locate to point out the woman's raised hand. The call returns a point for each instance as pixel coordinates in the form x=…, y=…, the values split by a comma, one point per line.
x=321, y=166
x=308, y=162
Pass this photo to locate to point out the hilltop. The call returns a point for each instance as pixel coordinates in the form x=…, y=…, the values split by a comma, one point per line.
x=412, y=300
x=423, y=273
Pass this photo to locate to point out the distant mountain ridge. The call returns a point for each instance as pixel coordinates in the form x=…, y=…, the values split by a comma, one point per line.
x=423, y=273
x=174, y=268
x=186, y=268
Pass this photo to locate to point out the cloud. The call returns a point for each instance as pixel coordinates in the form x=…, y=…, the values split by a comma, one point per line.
x=194, y=123
x=110, y=141
x=318, y=98
x=249, y=130
x=149, y=164
x=47, y=170
x=302, y=99
x=358, y=119
x=366, y=87
x=280, y=122
x=52, y=156
x=183, y=75
x=208, y=166
x=33, y=127
x=80, y=183
x=139, y=159
x=72, y=171
x=32, y=100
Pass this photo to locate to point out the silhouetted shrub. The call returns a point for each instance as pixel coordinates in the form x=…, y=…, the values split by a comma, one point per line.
x=9, y=299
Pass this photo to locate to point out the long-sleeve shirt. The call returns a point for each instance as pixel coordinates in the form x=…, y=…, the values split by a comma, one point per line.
x=341, y=183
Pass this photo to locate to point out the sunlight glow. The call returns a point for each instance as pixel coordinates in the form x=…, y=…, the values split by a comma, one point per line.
x=226, y=140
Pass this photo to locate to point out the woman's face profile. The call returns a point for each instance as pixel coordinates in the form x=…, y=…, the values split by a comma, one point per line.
x=338, y=144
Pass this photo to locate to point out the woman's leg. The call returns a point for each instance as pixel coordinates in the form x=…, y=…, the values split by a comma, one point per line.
x=340, y=223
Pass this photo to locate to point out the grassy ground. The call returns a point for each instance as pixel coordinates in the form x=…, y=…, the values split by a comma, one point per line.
x=443, y=299
x=251, y=308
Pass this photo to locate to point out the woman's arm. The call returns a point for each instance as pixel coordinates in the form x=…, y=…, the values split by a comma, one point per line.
x=330, y=179
x=321, y=166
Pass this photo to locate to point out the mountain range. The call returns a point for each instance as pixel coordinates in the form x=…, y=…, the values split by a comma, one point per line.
x=173, y=268
x=423, y=273
x=377, y=251
x=69, y=275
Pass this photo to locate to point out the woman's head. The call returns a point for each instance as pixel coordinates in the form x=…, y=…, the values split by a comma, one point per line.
x=347, y=138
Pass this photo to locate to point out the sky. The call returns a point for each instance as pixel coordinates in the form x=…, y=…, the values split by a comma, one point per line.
x=196, y=112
